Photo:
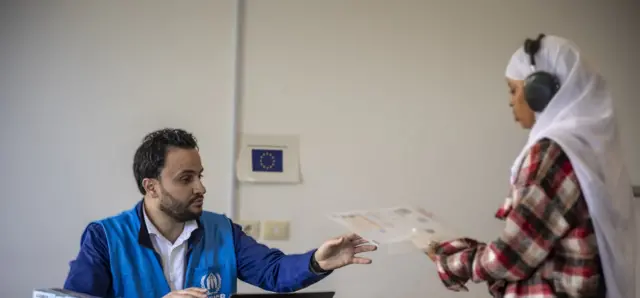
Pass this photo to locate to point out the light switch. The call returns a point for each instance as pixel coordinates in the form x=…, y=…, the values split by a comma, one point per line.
x=250, y=227
x=276, y=230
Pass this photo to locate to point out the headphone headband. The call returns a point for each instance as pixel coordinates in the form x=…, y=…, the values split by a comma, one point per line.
x=540, y=86
x=531, y=48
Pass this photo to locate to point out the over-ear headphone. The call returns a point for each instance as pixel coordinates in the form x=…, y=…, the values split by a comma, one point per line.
x=540, y=86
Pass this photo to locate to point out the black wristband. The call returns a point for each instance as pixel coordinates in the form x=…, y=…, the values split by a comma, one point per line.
x=315, y=267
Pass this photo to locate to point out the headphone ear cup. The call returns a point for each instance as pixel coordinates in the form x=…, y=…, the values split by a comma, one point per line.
x=539, y=89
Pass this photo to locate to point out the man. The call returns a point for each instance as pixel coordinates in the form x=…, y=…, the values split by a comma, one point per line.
x=570, y=228
x=167, y=246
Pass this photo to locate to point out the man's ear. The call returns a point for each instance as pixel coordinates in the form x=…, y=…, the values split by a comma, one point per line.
x=151, y=186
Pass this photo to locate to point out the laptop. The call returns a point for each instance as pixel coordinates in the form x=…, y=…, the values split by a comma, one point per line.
x=287, y=295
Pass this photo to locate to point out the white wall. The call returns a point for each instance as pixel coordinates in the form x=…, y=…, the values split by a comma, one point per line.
x=369, y=86
x=81, y=83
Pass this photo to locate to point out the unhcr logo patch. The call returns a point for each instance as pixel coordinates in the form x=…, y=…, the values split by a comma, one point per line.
x=212, y=282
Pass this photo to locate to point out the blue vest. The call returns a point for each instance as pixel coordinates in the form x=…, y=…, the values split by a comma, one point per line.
x=136, y=270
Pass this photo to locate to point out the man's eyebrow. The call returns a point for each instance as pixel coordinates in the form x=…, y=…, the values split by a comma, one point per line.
x=189, y=171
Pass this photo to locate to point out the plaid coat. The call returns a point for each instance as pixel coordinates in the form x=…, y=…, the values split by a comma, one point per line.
x=548, y=246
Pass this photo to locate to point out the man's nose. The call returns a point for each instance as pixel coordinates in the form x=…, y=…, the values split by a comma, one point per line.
x=200, y=189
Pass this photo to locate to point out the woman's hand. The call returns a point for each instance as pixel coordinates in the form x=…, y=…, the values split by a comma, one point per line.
x=430, y=250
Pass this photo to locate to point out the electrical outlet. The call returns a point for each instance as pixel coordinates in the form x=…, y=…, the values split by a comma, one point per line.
x=276, y=230
x=250, y=227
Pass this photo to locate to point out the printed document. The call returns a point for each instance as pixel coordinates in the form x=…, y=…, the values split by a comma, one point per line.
x=395, y=225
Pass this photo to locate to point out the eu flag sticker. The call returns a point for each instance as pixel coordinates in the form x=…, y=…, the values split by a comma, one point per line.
x=266, y=160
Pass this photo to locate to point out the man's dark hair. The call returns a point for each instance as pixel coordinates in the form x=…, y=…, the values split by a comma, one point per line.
x=149, y=158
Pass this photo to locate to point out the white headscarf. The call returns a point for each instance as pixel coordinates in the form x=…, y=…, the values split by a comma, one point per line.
x=581, y=120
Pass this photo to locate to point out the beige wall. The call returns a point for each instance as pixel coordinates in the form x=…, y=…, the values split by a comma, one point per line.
x=370, y=87
x=81, y=82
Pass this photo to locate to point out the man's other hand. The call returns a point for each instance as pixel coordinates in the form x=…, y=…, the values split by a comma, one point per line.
x=188, y=293
x=341, y=251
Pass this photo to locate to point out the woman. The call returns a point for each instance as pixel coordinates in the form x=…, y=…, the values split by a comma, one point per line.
x=570, y=228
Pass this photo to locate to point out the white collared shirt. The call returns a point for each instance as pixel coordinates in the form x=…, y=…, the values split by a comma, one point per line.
x=172, y=254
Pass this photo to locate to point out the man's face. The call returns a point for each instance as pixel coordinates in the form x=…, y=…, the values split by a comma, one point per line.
x=522, y=113
x=181, y=192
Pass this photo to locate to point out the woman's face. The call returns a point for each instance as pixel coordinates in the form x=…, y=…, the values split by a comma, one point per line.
x=522, y=113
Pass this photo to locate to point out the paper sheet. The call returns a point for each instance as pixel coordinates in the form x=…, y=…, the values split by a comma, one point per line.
x=393, y=226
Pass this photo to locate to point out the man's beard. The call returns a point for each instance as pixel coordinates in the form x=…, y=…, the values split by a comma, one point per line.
x=176, y=209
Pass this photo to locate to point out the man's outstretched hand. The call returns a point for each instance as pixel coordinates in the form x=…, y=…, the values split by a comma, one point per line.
x=341, y=251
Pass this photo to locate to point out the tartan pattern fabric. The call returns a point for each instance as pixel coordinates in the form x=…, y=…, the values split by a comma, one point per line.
x=548, y=246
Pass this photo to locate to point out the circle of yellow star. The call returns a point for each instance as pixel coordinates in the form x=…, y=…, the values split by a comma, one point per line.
x=267, y=166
